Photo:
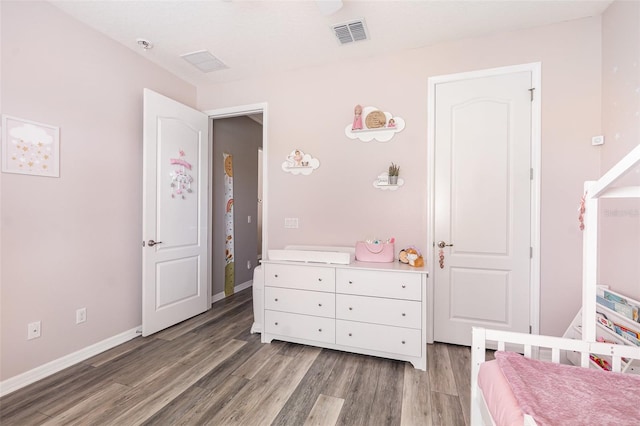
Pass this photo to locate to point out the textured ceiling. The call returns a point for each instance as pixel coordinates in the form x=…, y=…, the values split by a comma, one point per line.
x=259, y=37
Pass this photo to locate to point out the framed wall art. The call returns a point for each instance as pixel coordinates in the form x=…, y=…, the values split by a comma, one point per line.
x=30, y=148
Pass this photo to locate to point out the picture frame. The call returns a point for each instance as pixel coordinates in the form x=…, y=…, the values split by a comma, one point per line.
x=30, y=148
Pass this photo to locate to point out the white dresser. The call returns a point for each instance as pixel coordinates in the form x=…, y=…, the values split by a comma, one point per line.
x=369, y=308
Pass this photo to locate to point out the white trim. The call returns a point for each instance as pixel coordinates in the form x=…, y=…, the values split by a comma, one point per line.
x=236, y=111
x=219, y=296
x=536, y=71
x=14, y=383
x=534, y=66
x=430, y=251
x=536, y=162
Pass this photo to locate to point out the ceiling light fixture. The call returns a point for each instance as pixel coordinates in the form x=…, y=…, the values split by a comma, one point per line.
x=145, y=44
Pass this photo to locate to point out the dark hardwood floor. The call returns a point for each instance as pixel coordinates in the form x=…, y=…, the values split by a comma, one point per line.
x=211, y=370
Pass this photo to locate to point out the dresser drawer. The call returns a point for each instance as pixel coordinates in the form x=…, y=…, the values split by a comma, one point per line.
x=400, y=313
x=300, y=326
x=383, y=338
x=300, y=301
x=395, y=285
x=300, y=277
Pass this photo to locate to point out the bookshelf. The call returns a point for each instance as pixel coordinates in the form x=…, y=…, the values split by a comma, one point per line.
x=616, y=322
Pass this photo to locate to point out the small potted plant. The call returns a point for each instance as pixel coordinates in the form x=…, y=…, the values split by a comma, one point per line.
x=394, y=171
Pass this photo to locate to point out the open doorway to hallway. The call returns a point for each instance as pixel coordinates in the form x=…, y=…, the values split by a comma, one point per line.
x=236, y=194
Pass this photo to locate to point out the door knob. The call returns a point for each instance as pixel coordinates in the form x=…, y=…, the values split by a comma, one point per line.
x=442, y=244
x=152, y=243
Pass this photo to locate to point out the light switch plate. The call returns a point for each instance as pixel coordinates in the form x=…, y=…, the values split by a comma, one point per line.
x=291, y=222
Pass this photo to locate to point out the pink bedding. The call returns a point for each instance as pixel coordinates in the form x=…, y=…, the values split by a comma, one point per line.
x=555, y=394
x=497, y=394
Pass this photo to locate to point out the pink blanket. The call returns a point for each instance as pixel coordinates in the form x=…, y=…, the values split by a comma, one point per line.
x=555, y=394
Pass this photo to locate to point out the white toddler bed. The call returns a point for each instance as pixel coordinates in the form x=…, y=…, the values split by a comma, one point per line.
x=573, y=395
x=612, y=398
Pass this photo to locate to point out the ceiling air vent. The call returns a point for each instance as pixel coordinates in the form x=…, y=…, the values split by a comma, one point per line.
x=204, y=61
x=350, y=31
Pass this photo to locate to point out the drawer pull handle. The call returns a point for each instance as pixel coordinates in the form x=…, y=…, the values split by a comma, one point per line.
x=276, y=299
x=319, y=279
x=276, y=323
x=404, y=286
x=350, y=308
x=276, y=275
x=403, y=342
x=350, y=282
x=320, y=330
x=320, y=304
x=404, y=315
x=350, y=334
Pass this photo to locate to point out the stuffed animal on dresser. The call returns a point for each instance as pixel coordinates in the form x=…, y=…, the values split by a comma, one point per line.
x=411, y=256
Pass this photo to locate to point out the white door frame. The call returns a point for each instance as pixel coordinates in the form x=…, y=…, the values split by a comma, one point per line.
x=535, y=69
x=237, y=111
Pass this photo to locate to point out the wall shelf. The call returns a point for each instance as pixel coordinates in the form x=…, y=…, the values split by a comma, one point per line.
x=299, y=163
x=381, y=134
x=382, y=180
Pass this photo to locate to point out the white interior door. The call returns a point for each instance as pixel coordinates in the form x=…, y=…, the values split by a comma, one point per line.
x=175, y=202
x=482, y=205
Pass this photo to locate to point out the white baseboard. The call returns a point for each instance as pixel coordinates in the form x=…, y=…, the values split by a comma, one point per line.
x=16, y=382
x=240, y=287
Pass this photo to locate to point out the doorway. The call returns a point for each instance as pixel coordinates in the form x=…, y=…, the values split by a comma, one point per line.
x=238, y=129
x=484, y=201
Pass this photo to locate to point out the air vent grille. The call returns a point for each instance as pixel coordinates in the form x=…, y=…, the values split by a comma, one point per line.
x=204, y=61
x=349, y=32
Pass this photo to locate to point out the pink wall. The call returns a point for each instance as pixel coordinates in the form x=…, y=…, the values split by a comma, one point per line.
x=337, y=204
x=620, y=219
x=74, y=241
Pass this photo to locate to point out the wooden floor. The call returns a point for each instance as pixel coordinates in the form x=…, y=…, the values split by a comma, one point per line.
x=211, y=370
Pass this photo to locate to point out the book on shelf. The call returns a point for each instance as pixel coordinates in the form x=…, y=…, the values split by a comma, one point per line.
x=619, y=304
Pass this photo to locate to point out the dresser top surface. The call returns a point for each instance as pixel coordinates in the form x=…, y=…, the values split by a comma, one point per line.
x=372, y=266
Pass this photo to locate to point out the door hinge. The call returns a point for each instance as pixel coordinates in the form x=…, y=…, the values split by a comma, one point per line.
x=531, y=173
x=530, y=252
x=531, y=92
x=530, y=330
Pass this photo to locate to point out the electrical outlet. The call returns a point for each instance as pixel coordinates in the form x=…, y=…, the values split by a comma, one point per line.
x=81, y=315
x=33, y=330
x=597, y=140
x=248, y=219
x=248, y=264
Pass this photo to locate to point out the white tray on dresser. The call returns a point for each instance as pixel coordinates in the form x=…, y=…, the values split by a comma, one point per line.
x=314, y=254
